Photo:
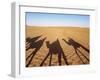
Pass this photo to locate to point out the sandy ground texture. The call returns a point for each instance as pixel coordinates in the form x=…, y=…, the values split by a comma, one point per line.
x=55, y=46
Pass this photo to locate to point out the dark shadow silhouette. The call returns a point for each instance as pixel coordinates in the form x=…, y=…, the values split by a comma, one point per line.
x=55, y=48
x=77, y=45
x=29, y=40
x=34, y=45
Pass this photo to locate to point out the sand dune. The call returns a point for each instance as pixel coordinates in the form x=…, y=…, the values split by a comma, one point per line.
x=70, y=44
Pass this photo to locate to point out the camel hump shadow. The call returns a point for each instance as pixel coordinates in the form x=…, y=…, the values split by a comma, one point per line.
x=37, y=44
x=54, y=47
x=75, y=44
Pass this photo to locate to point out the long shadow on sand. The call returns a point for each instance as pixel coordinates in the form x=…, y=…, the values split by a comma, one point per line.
x=31, y=40
x=34, y=45
x=77, y=45
x=54, y=48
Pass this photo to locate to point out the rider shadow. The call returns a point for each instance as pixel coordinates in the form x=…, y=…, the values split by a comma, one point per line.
x=30, y=40
x=54, y=48
x=34, y=45
x=77, y=45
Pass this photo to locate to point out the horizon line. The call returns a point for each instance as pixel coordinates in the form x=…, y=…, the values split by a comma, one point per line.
x=55, y=26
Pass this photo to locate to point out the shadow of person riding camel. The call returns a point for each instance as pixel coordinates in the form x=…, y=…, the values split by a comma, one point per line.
x=34, y=45
x=77, y=45
x=54, y=48
x=31, y=40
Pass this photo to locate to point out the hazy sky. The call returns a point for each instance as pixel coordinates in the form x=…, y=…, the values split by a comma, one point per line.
x=48, y=19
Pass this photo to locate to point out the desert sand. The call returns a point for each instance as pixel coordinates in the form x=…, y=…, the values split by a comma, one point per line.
x=54, y=46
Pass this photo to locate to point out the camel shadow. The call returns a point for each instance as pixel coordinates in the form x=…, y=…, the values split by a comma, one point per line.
x=77, y=45
x=54, y=48
x=31, y=40
x=34, y=45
